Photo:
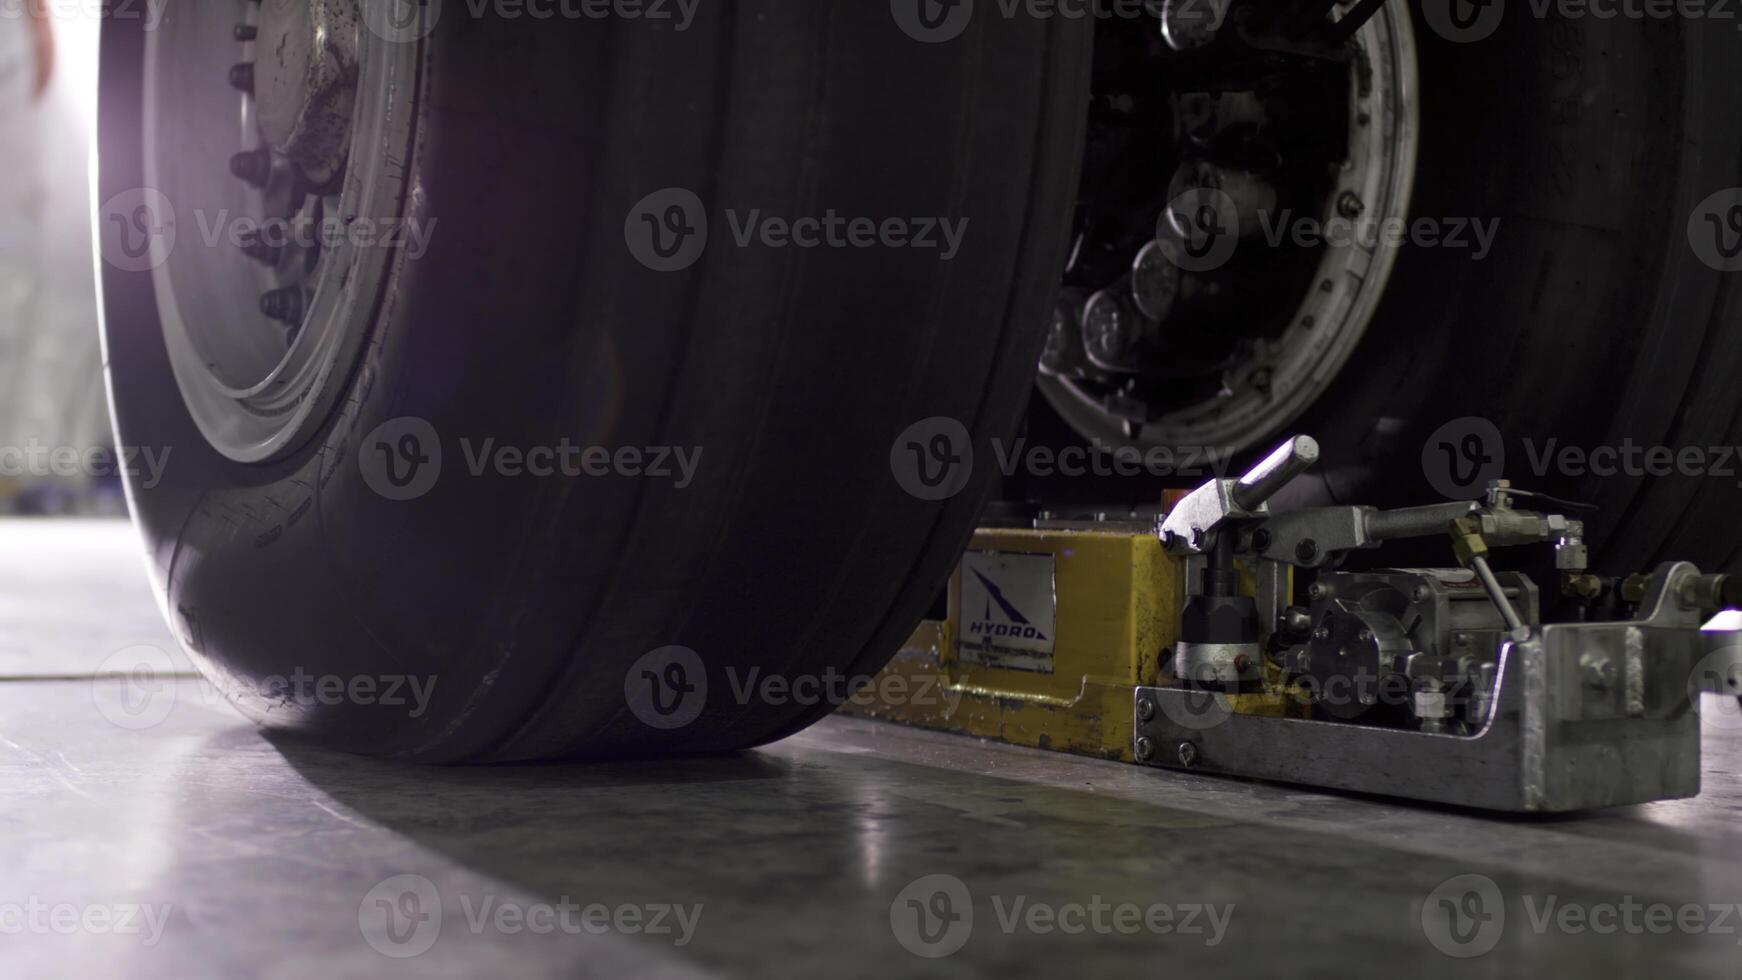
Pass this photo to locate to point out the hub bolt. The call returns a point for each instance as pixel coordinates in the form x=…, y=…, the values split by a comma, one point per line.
x=1106, y=332
x=242, y=77
x=283, y=305
x=256, y=248
x=1155, y=282
x=252, y=167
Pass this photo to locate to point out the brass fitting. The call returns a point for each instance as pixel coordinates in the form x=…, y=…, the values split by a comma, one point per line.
x=1467, y=542
x=1581, y=585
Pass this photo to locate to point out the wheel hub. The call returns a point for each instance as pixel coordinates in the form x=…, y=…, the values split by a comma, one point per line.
x=305, y=80
x=264, y=318
x=1190, y=314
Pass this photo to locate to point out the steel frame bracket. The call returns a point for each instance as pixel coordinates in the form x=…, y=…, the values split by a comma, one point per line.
x=1582, y=715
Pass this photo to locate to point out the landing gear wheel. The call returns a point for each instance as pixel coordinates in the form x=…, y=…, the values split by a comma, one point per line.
x=1225, y=348
x=1578, y=177
x=352, y=537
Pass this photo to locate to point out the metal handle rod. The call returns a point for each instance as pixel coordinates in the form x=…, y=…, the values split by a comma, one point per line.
x=1514, y=622
x=1290, y=460
x=1416, y=522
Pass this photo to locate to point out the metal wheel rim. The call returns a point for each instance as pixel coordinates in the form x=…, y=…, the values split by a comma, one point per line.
x=1328, y=324
x=254, y=403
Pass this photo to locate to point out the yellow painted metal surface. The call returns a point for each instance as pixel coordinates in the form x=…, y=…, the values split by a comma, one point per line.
x=1118, y=598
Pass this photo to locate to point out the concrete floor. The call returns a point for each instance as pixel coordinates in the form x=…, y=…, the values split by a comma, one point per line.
x=195, y=847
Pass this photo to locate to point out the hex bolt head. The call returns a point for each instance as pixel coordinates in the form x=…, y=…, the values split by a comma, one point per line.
x=252, y=167
x=283, y=305
x=1145, y=750
x=1106, y=334
x=1145, y=709
x=1187, y=753
x=256, y=248
x=242, y=77
x=1349, y=206
x=1322, y=633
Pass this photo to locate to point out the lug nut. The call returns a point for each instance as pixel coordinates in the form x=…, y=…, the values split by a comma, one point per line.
x=1155, y=282
x=242, y=77
x=1186, y=25
x=1207, y=198
x=1104, y=332
x=283, y=305
x=252, y=167
x=256, y=248
x=1063, y=354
